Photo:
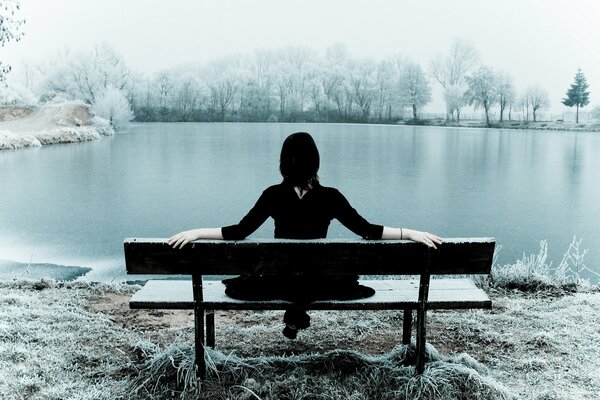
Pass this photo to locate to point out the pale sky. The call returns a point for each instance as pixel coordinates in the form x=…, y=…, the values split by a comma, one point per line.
x=537, y=42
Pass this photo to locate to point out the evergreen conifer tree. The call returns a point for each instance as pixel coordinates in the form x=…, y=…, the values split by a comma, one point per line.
x=577, y=95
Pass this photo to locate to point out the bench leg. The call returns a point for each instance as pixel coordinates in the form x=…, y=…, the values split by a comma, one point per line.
x=210, y=329
x=421, y=322
x=420, y=348
x=199, y=326
x=199, y=342
x=406, y=326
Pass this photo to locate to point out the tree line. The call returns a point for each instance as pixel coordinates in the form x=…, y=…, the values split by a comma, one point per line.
x=290, y=84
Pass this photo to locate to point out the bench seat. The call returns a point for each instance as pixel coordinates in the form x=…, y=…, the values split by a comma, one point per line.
x=389, y=295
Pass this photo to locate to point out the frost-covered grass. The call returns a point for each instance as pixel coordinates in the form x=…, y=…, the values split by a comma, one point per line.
x=541, y=125
x=80, y=341
x=535, y=272
x=52, y=348
x=12, y=141
x=337, y=374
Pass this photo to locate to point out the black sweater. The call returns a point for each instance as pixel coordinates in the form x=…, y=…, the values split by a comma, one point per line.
x=306, y=218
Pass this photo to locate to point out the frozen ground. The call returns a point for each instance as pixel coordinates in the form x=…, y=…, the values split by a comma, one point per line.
x=543, y=125
x=11, y=270
x=49, y=124
x=81, y=341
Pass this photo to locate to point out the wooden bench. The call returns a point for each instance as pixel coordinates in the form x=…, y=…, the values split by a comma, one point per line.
x=335, y=257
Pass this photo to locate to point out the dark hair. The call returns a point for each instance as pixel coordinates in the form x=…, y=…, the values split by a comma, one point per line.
x=299, y=161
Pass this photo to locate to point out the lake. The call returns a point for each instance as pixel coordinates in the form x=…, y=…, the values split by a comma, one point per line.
x=73, y=204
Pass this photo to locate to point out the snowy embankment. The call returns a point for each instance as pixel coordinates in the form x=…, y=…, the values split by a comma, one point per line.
x=22, y=127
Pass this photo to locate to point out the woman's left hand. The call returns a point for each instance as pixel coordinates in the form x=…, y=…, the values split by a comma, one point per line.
x=182, y=238
x=426, y=238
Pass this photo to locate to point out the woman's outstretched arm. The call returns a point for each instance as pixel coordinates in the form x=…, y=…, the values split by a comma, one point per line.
x=426, y=238
x=183, y=238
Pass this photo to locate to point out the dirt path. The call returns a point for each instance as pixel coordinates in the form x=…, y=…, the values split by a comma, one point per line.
x=50, y=116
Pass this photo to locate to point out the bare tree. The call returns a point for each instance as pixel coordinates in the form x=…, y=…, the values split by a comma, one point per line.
x=333, y=80
x=284, y=85
x=482, y=90
x=452, y=69
x=261, y=82
x=454, y=96
x=301, y=60
x=223, y=79
x=506, y=93
x=94, y=72
x=595, y=114
x=523, y=104
x=314, y=87
x=388, y=104
x=414, y=89
x=538, y=99
x=187, y=97
x=163, y=85
x=361, y=83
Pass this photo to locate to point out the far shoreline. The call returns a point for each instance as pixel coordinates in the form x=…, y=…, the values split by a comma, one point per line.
x=467, y=124
x=24, y=126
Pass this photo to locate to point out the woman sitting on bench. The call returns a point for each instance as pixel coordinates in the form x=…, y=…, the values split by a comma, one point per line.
x=301, y=209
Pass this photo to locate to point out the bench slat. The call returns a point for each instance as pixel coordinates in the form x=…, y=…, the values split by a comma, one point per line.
x=390, y=294
x=372, y=257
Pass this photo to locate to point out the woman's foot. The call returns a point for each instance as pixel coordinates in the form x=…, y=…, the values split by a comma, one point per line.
x=290, y=331
x=296, y=317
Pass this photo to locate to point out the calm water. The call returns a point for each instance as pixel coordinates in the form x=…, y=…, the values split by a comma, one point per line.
x=73, y=204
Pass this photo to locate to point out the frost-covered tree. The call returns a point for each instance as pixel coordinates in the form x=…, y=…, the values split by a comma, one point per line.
x=388, y=105
x=10, y=28
x=224, y=78
x=314, y=88
x=186, y=98
x=362, y=76
x=595, y=113
x=302, y=61
x=506, y=93
x=85, y=75
x=452, y=69
x=578, y=94
x=113, y=105
x=334, y=76
x=15, y=93
x=414, y=89
x=454, y=97
x=482, y=90
x=536, y=98
x=257, y=92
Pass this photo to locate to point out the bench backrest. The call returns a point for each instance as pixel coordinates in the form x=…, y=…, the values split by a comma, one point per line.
x=327, y=256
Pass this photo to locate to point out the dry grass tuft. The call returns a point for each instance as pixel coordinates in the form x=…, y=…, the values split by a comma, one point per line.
x=337, y=374
x=534, y=272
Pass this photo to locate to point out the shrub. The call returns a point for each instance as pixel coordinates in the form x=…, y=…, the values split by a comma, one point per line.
x=533, y=272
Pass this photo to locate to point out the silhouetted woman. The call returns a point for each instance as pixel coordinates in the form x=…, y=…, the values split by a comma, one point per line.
x=301, y=209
